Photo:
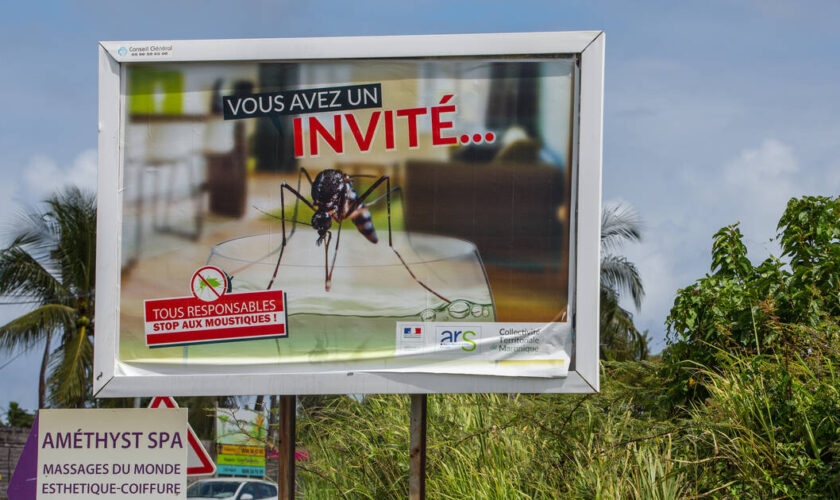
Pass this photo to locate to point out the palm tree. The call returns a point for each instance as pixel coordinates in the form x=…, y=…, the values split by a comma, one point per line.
x=619, y=337
x=50, y=263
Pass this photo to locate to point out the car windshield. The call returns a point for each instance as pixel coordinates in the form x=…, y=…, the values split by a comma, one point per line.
x=214, y=489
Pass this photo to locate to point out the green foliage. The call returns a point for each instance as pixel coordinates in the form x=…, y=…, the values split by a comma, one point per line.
x=620, y=340
x=18, y=417
x=754, y=310
x=770, y=425
x=753, y=356
x=51, y=263
x=810, y=237
x=202, y=412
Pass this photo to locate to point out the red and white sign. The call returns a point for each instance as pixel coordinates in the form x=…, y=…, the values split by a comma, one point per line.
x=222, y=318
x=198, y=460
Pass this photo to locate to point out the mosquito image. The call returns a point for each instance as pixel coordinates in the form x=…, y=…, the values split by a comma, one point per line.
x=334, y=199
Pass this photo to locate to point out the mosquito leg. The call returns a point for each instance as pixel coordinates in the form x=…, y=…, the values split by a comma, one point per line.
x=377, y=200
x=394, y=190
x=283, y=187
x=295, y=213
x=268, y=214
x=361, y=199
x=441, y=297
x=328, y=284
x=327, y=272
x=307, y=176
x=283, y=218
x=331, y=268
x=283, y=244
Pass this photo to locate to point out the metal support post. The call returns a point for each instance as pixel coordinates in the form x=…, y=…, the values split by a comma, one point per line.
x=286, y=448
x=417, y=439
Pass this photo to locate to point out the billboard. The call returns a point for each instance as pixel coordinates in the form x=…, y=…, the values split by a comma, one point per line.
x=378, y=214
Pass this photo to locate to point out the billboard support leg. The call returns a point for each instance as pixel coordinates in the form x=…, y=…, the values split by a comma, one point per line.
x=417, y=449
x=286, y=448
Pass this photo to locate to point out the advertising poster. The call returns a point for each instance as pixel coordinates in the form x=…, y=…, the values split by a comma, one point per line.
x=339, y=216
x=240, y=442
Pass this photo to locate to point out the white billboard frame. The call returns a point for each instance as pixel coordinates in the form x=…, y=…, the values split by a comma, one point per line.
x=110, y=380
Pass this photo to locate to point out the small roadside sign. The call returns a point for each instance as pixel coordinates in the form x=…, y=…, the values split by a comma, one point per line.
x=232, y=449
x=240, y=442
x=104, y=453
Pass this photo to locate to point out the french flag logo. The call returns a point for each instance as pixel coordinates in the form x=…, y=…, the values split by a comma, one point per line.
x=411, y=331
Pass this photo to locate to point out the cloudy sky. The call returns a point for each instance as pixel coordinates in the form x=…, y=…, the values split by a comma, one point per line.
x=715, y=112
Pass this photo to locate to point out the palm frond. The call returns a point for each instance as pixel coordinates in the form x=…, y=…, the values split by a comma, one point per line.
x=618, y=334
x=620, y=223
x=620, y=340
x=34, y=232
x=70, y=370
x=621, y=275
x=22, y=275
x=28, y=330
x=74, y=213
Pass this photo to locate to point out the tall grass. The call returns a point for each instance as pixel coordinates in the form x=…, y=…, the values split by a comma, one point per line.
x=770, y=428
x=771, y=425
x=497, y=446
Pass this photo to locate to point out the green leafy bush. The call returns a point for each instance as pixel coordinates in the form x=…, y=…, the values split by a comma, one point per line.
x=739, y=308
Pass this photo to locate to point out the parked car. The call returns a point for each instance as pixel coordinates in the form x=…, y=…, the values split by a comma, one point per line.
x=233, y=488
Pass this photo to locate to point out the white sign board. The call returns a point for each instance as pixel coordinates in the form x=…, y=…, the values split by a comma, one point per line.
x=112, y=454
x=464, y=169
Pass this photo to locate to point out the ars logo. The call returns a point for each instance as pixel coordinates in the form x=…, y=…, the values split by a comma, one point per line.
x=458, y=337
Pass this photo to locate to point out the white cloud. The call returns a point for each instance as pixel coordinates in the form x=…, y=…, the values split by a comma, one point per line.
x=772, y=159
x=43, y=176
x=752, y=187
x=759, y=182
